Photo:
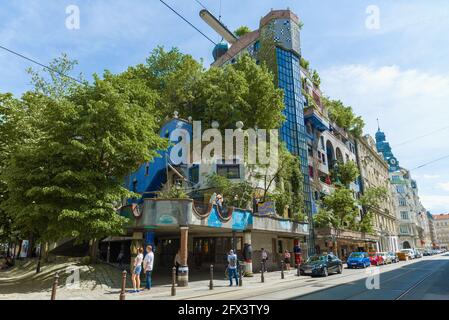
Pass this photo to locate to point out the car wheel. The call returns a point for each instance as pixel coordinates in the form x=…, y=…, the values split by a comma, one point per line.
x=325, y=272
x=339, y=271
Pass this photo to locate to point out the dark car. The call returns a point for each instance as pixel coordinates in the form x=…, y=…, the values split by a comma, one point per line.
x=321, y=265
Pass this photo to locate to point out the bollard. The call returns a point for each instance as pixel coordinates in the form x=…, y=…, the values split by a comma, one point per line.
x=298, y=270
x=173, y=283
x=282, y=270
x=123, y=291
x=55, y=286
x=262, y=269
x=211, y=283
x=240, y=276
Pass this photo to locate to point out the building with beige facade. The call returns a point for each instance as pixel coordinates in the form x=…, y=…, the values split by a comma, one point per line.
x=374, y=173
x=441, y=224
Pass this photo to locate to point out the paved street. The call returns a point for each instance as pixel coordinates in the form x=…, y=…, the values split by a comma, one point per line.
x=425, y=278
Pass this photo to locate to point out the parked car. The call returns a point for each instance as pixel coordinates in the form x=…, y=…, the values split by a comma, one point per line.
x=394, y=257
x=358, y=259
x=376, y=258
x=321, y=265
x=386, y=257
x=410, y=254
x=427, y=252
x=418, y=254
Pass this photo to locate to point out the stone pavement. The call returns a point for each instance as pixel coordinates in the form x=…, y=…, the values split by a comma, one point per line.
x=103, y=282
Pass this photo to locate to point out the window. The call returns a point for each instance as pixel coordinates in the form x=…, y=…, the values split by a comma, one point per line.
x=404, y=229
x=400, y=189
x=230, y=171
x=135, y=185
x=402, y=202
x=147, y=170
x=404, y=215
x=194, y=175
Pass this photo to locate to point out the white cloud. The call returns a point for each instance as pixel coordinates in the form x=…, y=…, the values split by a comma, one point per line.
x=409, y=104
x=431, y=176
x=436, y=204
x=444, y=186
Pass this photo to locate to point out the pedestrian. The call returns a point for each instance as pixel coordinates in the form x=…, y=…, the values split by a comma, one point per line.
x=232, y=261
x=120, y=259
x=287, y=257
x=264, y=258
x=219, y=202
x=148, y=263
x=137, y=270
x=297, y=251
x=178, y=262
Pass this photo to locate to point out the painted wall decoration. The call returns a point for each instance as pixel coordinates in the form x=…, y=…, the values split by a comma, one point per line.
x=267, y=208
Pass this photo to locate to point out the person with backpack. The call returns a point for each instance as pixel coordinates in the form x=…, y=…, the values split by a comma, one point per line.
x=232, y=266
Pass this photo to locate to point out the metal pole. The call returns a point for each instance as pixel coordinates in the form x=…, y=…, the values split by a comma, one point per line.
x=123, y=291
x=240, y=275
x=211, y=283
x=173, y=282
x=55, y=286
x=298, y=269
x=262, y=278
x=282, y=269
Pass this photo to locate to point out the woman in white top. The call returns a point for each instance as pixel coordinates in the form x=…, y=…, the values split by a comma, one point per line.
x=137, y=270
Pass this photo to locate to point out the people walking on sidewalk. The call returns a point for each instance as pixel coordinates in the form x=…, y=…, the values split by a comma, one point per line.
x=137, y=270
x=148, y=263
x=232, y=266
x=120, y=257
x=178, y=262
x=287, y=257
x=297, y=251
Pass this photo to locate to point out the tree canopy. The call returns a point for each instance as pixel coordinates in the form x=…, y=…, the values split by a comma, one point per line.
x=241, y=31
x=243, y=91
x=65, y=175
x=344, y=117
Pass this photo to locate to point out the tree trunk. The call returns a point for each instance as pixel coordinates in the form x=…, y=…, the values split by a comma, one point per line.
x=20, y=249
x=39, y=260
x=93, y=250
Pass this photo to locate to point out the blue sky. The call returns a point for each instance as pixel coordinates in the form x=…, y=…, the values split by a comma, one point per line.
x=398, y=73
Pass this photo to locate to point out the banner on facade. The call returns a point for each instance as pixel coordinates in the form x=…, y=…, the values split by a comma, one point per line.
x=267, y=208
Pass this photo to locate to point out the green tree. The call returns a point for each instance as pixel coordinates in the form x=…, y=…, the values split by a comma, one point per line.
x=344, y=117
x=343, y=207
x=174, y=76
x=316, y=78
x=370, y=202
x=235, y=194
x=66, y=178
x=347, y=172
x=305, y=63
x=241, y=31
x=243, y=91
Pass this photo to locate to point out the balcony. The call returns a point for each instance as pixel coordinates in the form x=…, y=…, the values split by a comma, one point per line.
x=169, y=215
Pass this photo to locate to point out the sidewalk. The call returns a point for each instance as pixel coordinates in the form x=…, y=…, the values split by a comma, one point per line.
x=103, y=282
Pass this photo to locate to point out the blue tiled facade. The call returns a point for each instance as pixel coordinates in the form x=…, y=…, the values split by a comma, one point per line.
x=293, y=131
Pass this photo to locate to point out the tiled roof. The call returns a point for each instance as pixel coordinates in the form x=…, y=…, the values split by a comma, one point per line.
x=441, y=216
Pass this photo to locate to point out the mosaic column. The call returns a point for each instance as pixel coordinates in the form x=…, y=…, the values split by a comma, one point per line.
x=183, y=275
